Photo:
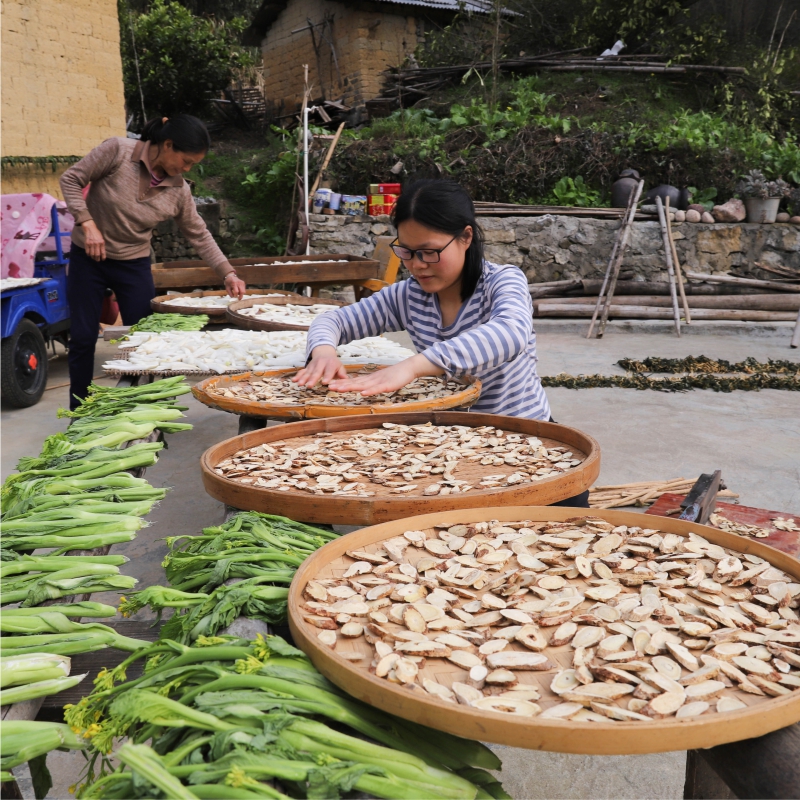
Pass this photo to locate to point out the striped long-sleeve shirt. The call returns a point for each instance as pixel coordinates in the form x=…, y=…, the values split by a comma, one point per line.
x=492, y=337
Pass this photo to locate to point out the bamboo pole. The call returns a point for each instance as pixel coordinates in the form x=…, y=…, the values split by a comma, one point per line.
x=670, y=269
x=325, y=163
x=745, y=302
x=751, y=282
x=612, y=271
x=677, y=265
x=575, y=311
x=633, y=203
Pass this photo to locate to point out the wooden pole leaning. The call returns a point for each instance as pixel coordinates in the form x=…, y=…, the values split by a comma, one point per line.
x=670, y=271
x=630, y=210
x=677, y=264
x=623, y=244
x=611, y=262
x=325, y=163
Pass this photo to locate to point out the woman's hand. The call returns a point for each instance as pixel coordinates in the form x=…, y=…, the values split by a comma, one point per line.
x=388, y=380
x=94, y=243
x=235, y=285
x=324, y=366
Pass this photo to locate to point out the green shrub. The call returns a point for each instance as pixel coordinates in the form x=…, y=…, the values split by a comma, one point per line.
x=569, y=192
x=183, y=60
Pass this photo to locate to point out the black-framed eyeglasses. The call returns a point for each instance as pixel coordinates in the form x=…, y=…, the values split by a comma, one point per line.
x=427, y=256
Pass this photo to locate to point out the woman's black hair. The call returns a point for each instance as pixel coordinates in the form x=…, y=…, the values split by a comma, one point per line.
x=188, y=134
x=446, y=207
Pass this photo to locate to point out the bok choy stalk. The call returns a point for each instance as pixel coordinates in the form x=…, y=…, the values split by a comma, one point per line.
x=66, y=644
x=60, y=584
x=66, y=521
x=56, y=493
x=261, y=549
x=47, y=621
x=85, y=608
x=104, y=400
x=156, y=323
x=110, y=501
x=17, y=670
x=204, y=680
x=65, y=544
x=24, y=740
x=111, y=435
x=293, y=734
x=215, y=611
x=142, y=760
x=68, y=529
x=20, y=564
x=19, y=587
x=97, y=463
x=163, y=417
x=19, y=694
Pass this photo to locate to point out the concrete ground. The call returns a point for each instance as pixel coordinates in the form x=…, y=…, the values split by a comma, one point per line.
x=754, y=437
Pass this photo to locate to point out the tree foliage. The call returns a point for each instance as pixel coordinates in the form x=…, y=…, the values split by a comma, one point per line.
x=183, y=60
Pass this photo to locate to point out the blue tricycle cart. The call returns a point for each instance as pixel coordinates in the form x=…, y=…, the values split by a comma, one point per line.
x=33, y=317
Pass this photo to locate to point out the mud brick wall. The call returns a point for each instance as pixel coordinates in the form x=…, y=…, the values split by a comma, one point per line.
x=367, y=39
x=61, y=84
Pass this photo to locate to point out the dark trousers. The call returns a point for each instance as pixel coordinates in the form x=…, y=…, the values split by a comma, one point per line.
x=87, y=280
x=578, y=501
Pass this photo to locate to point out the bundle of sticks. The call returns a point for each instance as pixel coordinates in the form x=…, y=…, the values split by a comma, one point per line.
x=489, y=209
x=404, y=87
x=642, y=493
x=709, y=297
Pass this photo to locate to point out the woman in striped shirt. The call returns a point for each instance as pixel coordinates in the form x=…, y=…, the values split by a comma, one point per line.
x=465, y=315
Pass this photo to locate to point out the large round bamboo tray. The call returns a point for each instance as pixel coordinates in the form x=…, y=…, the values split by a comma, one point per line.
x=253, y=324
x=302, y=506
x=764, y=714
x=253, y=408
x=160, y=306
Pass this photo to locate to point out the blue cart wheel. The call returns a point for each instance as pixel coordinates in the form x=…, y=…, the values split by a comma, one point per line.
x=24, y=366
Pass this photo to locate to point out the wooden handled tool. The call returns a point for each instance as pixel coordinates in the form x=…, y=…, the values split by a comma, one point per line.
x=670, y=271
x=677, y=264
x=700, y=502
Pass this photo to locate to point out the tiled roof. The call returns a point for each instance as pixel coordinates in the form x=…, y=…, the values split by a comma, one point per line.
x=270, y=9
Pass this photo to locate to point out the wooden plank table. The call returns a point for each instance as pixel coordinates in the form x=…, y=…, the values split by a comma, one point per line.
x=39, y=706
x=305, y=270
x=786, y=541
x=108, y=658
x=768, y=766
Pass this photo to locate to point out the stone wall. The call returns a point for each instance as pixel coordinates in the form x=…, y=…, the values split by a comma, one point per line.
x=61, y=84
x=367, y=40
x=559, y=247
x=168, y=242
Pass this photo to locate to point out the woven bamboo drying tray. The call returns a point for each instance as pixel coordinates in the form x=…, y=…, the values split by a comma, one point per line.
x=384, y=506
x=763, y=714
x=160, y=306
x=254, y=324
x=252, y=408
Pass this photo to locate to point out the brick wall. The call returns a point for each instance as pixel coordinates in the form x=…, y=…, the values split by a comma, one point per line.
x=367, y=41
x=61, y=83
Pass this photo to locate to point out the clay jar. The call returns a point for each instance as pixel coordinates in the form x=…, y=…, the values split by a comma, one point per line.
x=624, y=187
x=678, y=198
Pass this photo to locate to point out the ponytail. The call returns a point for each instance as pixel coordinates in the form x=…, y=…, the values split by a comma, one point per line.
x=188, y=134
x=444, y=206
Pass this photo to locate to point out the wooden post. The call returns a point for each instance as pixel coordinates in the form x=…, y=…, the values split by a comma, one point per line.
x=767, y=766
x=325, y=163
x=701, y=782
x=796, y=335
x=670, y=270
x=614, y=263
x=677, y=264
